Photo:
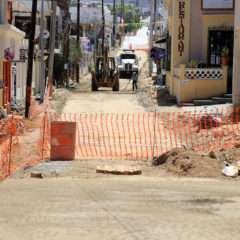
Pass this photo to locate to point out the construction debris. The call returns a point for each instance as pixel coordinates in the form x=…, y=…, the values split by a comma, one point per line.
x=188, y=162
x=231, y=171
x=36, y=175
x=119, y=170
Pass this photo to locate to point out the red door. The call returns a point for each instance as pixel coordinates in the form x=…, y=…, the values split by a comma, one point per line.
x=7, y=86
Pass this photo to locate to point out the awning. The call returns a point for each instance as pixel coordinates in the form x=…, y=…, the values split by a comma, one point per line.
x=161, y=40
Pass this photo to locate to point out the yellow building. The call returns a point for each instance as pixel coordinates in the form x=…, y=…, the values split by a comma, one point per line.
x=198, y=30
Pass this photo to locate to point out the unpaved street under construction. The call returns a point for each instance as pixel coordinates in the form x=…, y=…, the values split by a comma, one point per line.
x=73, y=202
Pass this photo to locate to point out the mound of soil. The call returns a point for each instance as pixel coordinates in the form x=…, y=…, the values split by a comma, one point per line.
x=230, y=155
x=187, y=162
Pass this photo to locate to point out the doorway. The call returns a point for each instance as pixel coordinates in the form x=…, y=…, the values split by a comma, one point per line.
x=217, y=40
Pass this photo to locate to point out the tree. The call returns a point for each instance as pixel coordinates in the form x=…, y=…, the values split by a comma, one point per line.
x=131, y=17
x=75, y=53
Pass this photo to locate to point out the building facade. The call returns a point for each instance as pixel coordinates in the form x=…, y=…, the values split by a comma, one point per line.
x=198, y=30
x=10, y=38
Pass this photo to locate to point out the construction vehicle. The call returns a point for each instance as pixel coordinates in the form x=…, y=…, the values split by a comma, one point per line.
x=128, y=63
x=106, y=73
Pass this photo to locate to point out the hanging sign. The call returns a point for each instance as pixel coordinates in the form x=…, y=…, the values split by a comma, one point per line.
x=181, y=16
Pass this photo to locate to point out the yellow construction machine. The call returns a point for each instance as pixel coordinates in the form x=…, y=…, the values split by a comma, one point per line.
x=105, y=73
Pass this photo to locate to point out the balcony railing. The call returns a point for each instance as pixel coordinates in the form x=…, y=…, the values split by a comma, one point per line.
x=203, y=73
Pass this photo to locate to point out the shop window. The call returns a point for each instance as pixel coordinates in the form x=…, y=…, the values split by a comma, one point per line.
x=217, y=40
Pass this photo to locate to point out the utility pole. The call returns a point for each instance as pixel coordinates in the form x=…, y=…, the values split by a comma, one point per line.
x=78, y=37
x=66, y=45
x=114, y=23
x=95, y=46
x=236, y=57
x=154, y=14
x=42, y=83
x=150, y=39
x=52, y=44
x=137, y=3
x=103, y=28
x=122, y=10
x=30, y=60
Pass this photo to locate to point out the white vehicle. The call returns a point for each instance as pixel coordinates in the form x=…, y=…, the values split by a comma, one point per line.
x=127, y=63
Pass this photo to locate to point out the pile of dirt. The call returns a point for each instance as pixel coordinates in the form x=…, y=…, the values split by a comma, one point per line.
x=230, y=155
x=187, y=162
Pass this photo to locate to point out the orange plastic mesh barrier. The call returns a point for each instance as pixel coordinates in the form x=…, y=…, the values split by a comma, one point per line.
x=117, y=136
x=145, y=135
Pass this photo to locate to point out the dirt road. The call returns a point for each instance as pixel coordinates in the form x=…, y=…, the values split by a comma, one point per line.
x=83, y=100
x=75, y=203
x=127, y=208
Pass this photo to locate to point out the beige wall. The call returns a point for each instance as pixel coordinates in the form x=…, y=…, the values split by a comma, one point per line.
x=1, y=78
x=196, y=31
x=199, y=88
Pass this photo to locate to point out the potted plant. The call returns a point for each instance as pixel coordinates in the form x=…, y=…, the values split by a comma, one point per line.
x=224, y=55
x=193, y=64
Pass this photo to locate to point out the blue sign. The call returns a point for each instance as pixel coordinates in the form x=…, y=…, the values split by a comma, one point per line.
x=89, y=49
x=89, y=44
x=161, y=54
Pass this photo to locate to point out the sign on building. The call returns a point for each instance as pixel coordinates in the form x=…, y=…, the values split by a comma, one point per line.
x=24, y=24
x=181, y=36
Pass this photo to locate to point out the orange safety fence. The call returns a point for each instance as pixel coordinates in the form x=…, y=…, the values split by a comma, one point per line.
x=143, y=136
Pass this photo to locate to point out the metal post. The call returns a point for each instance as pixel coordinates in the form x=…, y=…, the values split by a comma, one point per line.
x=52, y=42
x=78, y=37
x=30, y=59
x=95, y=46
x=154, y=135
x=42, y=83
x=65, y=47
x=150, y=39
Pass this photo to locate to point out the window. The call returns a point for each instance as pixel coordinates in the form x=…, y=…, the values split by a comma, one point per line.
x=217, y=40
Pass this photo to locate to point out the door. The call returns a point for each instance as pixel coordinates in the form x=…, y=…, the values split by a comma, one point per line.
x=217, y=40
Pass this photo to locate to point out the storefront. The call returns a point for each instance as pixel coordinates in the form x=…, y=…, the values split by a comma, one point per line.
x=10, y=38
x=199, y=30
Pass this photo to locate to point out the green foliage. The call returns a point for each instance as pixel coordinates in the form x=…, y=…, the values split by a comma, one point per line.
x=91, y=67
x=129, y=15
x=74, y=52
x=193, y=64
x=166, y=65
x=225, y=52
